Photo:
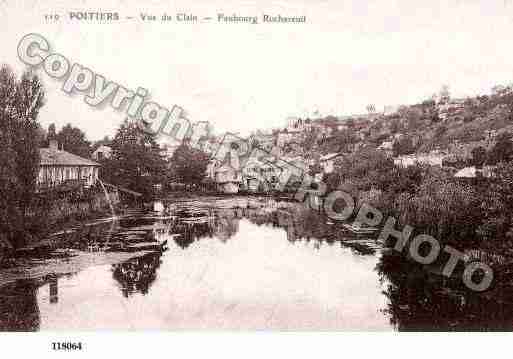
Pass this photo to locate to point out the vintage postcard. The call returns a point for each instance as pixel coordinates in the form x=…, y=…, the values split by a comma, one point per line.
x=247, y=166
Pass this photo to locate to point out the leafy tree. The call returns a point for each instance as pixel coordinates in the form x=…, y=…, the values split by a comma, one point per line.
x=396, y=126
x=310, y=139
x=403, y=146
x=478, y=156
x=440, y=131
x=340, y=141
x=447, y=210
x=136, y=161
x=20, y=102
x=368, y=168
x=52, y=132
x=502, y=151
x=73, y=139
x=188, y=165
x=498, y=200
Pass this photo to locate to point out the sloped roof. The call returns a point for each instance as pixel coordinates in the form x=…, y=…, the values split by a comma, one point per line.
x=330, y=156
x=54, y=157
x=467, y=172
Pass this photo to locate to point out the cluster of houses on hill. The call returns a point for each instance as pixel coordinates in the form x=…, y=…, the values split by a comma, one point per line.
x=257, y=173
x=262, y=173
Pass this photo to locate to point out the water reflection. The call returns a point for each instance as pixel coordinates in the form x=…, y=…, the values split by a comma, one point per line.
x=19, y=309
x=137, y=274
x=420, y=300
x=247, y=266
x=54, y=289
x=299, y=223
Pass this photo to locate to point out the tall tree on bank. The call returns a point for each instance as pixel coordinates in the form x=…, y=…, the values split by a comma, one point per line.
x=20, y=102
x=136, y=161
x=188, y=165
x=73, y=139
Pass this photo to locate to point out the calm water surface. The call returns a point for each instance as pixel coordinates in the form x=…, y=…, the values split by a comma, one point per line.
x=230, y=268
x=234, y=265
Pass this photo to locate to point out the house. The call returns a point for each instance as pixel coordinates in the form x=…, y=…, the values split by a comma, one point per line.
x=467, y=172
x=390, y=110
x=327, y=162
x=387, y=147
x=433, y=158
x=228, y=175
x=102, y=152
x=502, y=90
x=59, y=167
x=264, y=141
x=473, y=172
x=451, y=109
x=254, y=175
x=295, y=124
x=285, y=137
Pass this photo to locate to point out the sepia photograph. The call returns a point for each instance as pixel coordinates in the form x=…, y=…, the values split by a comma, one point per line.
x=243, y=166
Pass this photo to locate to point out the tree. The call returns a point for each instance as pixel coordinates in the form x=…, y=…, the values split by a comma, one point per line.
x=396, y=126
x=403, y=146
x=499, y=206
x=478, y=156
x=136, y=161
x=188, y=165
x=310, y=139
x=502, y=151
x=20, y=102
x=367, y=167
x=73, y=139
x=52, y=132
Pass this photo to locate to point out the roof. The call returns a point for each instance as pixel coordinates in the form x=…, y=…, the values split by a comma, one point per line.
x=225, y=168
x=53, y=157
x=386, y=145
x=330, y=156
x=467, y=172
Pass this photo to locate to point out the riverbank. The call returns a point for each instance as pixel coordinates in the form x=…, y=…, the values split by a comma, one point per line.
x=102, y=241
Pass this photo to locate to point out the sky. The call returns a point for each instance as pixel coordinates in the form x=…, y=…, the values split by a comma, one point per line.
x=241, y=77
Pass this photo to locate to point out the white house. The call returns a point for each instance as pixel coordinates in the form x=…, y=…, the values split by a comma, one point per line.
x=434, y=158
x=453, y=108
x=473, y=172
x=101, y=153
x=58, y=167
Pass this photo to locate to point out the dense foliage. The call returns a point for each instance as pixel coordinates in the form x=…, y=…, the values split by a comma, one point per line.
x=20, y=102
x=136, y=162
x=73, y=139
x=188, y=165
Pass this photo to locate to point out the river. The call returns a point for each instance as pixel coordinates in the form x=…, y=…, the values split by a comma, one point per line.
x=226, y=263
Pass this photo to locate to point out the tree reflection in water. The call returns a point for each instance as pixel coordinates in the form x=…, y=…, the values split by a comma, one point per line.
x=137, y=274
x=19, y=310
x=300, y=224
x=420, y=300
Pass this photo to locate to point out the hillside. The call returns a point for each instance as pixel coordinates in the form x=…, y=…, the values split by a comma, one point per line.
x=453, y=127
